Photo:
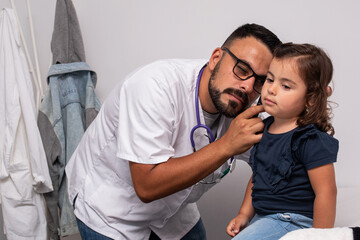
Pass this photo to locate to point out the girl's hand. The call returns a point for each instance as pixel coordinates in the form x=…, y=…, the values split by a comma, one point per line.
x=237, y=224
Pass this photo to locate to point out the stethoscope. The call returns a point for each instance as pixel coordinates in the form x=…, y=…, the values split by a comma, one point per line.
x=200, y=125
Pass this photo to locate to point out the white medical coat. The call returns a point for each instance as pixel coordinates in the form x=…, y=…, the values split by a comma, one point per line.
x=24, y=172
x=148, y=120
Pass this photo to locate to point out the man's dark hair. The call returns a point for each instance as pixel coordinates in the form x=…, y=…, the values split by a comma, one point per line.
x=257, y=31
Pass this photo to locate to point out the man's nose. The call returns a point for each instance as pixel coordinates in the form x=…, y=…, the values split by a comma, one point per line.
x=248, y=84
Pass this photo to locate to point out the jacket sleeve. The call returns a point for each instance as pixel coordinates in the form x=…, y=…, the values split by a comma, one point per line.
x=52, y=149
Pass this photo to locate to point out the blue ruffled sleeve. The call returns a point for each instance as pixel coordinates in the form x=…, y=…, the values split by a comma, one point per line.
x=314, y=148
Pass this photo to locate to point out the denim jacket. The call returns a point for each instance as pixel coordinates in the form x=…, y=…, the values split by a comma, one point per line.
x=69, y=106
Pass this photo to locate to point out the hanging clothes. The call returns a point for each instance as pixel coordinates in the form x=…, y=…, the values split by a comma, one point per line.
x=24, y=173
x=67, y=109
x=66, y=43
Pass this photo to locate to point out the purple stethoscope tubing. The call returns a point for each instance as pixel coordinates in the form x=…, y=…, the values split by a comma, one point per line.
x=199, y=125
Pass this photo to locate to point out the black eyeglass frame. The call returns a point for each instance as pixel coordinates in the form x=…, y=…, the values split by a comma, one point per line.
x=258, y=79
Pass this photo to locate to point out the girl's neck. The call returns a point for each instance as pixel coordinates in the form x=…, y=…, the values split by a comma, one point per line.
x=282, y=125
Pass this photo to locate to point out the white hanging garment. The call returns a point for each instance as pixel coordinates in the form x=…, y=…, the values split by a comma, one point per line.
x=24, y=174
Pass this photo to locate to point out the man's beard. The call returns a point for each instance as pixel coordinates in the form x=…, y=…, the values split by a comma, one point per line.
x=228, y=110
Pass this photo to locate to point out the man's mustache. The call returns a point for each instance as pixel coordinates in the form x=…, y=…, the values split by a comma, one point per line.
x=238, y=93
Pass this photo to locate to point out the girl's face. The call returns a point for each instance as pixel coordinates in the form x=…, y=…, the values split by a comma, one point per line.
x=283, y=93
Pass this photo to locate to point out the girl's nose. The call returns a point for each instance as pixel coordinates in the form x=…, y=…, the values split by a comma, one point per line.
x=272, y=89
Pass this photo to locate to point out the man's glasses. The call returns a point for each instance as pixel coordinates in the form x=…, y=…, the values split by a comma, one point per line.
x=243, y=71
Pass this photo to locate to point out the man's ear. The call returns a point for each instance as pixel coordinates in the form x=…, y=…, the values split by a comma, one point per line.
x=215, y=58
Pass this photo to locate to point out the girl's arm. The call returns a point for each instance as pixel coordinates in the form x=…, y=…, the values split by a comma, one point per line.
x=246, y=213
x=323, y=183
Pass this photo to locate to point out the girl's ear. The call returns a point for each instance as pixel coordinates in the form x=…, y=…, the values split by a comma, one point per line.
x=329, y=91
x=310, y=102
x=215, y=58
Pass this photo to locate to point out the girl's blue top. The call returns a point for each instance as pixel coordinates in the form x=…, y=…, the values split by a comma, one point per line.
x=280, y=163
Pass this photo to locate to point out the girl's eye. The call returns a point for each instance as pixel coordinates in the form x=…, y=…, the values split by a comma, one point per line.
x=269, y=80
x=286, y=87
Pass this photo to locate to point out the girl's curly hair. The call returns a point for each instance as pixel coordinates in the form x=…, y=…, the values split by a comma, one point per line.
x=316, y=69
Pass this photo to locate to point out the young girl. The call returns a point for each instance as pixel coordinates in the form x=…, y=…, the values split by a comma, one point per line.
x=293, y=182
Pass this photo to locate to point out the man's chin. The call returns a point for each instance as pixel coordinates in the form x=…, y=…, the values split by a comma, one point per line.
x=234, y=109
x=231, y=113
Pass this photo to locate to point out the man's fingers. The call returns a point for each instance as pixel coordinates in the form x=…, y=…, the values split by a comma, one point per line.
x=252, y=111
x=250, y=124
x=258, y=126
x=257, y=137
x=244, y=131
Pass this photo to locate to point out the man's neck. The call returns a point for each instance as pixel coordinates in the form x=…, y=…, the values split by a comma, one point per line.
x=204, y=95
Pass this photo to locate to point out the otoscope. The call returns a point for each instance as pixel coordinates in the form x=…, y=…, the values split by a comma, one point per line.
x=258, y=103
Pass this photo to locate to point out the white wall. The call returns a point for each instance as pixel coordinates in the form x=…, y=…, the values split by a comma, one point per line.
x=122, y=35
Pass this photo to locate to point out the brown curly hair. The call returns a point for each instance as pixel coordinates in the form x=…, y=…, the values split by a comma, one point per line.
x=316, y=69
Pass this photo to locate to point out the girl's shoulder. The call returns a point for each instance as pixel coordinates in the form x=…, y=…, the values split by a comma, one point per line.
x=313, y=146
x=311, y=133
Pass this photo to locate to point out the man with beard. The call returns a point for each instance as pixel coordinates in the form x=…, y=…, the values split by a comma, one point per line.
x=142, y=165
